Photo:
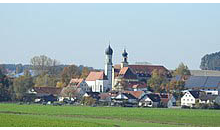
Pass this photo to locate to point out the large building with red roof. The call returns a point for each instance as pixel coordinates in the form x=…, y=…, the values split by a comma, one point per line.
x=136, y=76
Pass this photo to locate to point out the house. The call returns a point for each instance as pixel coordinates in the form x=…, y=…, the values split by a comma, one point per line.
x=98, y=82
x=94, y=95
x=208, y=84
x=105, y=98
x=167, y=100
x=190, y=98
x=149, y=100
x=217, y=100
x=125, y=99
x=46, y=93
x=127, y=76
x=207, y=99
x=136, y=94
x=140, y=86
x=81, y=85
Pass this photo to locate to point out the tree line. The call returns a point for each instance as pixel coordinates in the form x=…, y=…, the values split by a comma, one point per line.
x=47, y=72
x=210, y=61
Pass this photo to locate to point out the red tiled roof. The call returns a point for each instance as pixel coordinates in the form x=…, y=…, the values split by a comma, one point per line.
x=48, y=90
x=96, y=76
x=137, y=94
x=146, y=68
x=103, y=96
x=127, y=73
x=76, y=81
x=123, y=70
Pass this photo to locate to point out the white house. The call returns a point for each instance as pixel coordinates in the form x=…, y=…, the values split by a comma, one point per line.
x=80, y=83
x=189, y=98
x=98, y=82
x=150, y=100
x=81, y=87
x=126, y=96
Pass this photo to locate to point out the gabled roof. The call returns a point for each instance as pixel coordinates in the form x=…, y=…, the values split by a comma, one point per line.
x=207, y=97
x=137, y=94
x=127, y=73
x=147, y=69
x=93, y=94
x=104, y=96
x=195, y=94
x=77, y=82
x=93, y=76
x=125, y=96
x=203, y=82
x=142, y=69
x=153, y=97
x=47, y=90
x=130, y=96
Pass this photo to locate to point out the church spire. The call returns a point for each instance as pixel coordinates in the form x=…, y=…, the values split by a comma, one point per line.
x=124, y=62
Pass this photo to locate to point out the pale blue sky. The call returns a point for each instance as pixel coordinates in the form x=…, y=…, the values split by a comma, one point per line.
x=164, y=34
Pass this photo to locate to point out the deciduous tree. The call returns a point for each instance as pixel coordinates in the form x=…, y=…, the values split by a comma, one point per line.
x=182, y=70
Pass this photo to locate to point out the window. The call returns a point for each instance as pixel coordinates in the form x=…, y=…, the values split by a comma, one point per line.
x=183, y=99
x=187, y=99
x=189, y=95
x=191, y=99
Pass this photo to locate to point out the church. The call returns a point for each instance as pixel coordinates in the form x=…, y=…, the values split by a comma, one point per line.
x=112, y=78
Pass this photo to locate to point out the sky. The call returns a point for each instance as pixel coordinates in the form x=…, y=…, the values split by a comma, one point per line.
x=162, y=34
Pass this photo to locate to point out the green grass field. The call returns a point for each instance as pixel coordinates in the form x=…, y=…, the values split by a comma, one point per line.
x=80, y=116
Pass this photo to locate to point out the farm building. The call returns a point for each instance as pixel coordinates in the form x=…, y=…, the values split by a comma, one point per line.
x=208, y=84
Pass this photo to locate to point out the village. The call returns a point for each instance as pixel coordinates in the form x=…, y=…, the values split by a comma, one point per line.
x=127, y=85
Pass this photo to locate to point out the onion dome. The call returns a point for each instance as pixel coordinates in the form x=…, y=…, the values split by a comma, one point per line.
x=124, y=54
x=109, y=51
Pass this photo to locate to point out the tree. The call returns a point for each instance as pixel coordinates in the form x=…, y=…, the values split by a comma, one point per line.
x=19, y=68
x=2, y=69
x=43, y=64
x=157, y=81
x=45, y=80
x=70, y=91
x=210, y=61
x=4, y=87
x=88, y=101
x=70, y=72
x=85, y=72
x=21, y=85
x=182, y=70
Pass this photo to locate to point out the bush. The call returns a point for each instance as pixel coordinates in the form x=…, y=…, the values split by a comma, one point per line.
x=185, y=107
x=88, y=101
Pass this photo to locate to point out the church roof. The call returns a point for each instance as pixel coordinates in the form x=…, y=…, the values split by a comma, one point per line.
x=127, y=73
x=124, y=54
x=109, y=51
x=148, y=69
x=96, y=76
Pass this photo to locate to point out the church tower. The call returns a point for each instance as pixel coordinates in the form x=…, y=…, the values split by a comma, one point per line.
x=124, y=62
x=108, y=65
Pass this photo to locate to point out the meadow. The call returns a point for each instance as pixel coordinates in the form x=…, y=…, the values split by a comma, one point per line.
x=14, y=115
